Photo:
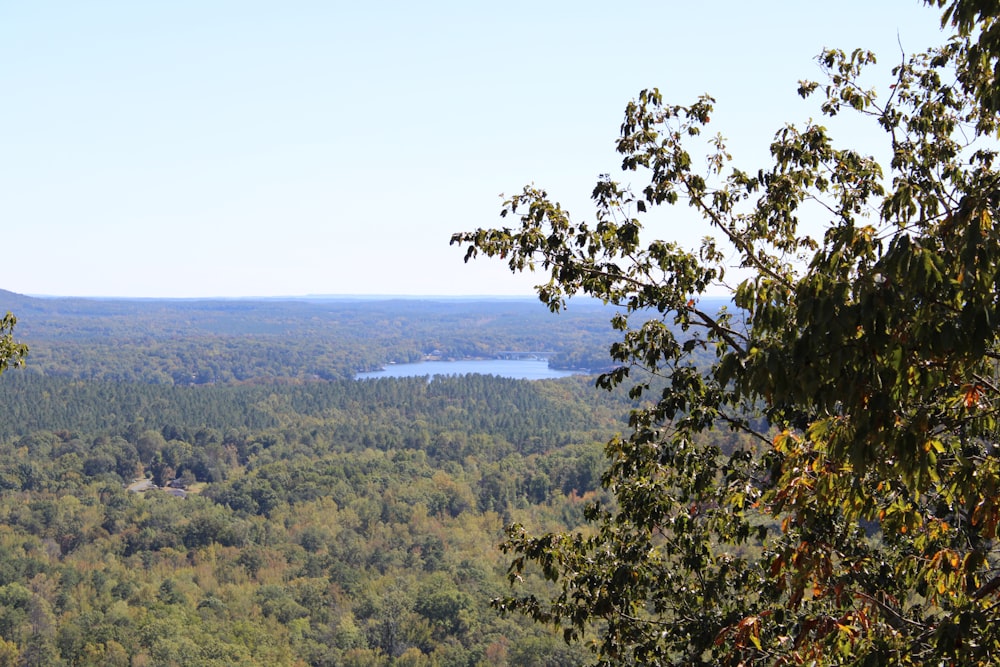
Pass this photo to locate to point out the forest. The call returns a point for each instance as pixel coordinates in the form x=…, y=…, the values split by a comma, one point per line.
x=291, y=517
x=804, y=473
x=183, y=342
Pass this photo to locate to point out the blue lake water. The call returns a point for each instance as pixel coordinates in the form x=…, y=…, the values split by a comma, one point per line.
x=518, y=369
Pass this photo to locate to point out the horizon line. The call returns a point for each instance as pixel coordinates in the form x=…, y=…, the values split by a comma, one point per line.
x=292, y=297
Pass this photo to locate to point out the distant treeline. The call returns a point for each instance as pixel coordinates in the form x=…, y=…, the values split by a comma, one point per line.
x=238, y=341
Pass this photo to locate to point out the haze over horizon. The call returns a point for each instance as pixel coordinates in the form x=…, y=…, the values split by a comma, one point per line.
x=192, y=150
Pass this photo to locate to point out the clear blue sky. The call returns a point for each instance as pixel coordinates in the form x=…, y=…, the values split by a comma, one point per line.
x=191, y=148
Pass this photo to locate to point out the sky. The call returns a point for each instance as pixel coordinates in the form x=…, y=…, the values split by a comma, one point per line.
x=207, y=148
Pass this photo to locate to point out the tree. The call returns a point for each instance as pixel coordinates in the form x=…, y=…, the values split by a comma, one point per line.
x=12, y=353
x=976, y=22
x=861, y=526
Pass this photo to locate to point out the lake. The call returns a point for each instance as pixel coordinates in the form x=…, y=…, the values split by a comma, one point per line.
x=519, y=369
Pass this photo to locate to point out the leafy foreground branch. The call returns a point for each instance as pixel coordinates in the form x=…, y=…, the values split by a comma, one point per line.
x=858, y=525
x=12, y=353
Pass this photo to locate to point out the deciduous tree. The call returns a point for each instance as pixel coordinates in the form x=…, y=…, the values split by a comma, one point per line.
x=12, y=352
x=861, y=527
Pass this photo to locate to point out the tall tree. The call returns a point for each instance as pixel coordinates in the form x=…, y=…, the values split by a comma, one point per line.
x=862, y=362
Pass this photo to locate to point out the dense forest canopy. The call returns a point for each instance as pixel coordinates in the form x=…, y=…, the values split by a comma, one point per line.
x=355, y=524
x=282, y=517
x=313, y=522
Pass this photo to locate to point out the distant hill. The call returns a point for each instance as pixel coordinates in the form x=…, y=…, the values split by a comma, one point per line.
x=183, y=341
x=206, y=341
